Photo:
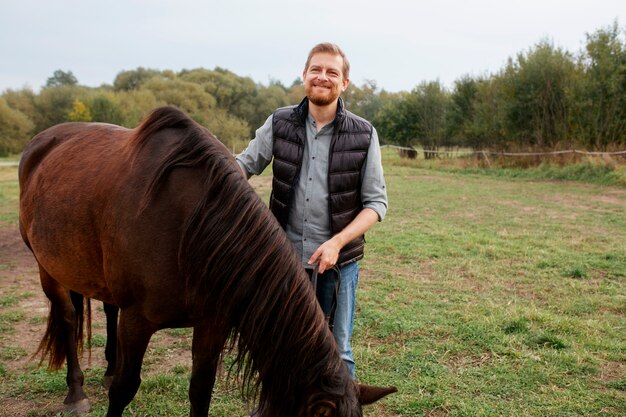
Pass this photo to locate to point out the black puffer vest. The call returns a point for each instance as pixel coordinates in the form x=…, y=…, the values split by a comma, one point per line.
x=348, y=152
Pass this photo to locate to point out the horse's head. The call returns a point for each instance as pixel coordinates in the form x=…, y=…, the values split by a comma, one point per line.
x=350, y=404
x=338, y=396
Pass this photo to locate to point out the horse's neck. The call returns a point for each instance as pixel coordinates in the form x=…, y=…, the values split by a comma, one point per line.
x=299, y=347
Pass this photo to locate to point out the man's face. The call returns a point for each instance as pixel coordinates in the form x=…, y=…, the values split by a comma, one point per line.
x=323, y=79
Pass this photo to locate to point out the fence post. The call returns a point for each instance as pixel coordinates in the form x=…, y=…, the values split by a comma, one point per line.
x=486, y=158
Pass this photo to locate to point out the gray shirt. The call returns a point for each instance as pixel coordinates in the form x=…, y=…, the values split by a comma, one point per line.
x=309, y=223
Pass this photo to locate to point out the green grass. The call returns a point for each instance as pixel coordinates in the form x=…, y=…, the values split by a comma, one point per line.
x=13, y=299
x=480, y=295
x=502, y=297
x=594, y=171
x=585, y=172
x=9, y=195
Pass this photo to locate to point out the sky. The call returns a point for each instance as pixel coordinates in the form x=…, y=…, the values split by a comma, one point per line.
x=396, y=43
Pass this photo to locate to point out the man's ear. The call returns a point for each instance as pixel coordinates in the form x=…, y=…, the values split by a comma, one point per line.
x=369, y=394
x=344, y=84
x=323, y=409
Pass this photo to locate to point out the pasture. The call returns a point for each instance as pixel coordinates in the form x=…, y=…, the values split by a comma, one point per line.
x=479, y=296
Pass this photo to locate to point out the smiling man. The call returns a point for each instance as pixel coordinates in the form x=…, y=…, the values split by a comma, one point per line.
x=328, y=187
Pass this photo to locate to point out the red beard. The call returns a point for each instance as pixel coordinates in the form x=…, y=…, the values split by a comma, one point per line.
x=322, y=99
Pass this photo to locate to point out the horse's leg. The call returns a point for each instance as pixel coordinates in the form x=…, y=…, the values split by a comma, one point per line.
x=110, y=351
x=76, y=401
x=61, y=340
x=206, y=350
x=133, y=335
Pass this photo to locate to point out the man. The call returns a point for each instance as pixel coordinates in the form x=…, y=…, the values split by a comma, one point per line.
x=328, y=187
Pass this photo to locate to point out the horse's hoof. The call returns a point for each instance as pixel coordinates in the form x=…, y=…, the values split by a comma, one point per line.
x=107, y=381
x=78, y=408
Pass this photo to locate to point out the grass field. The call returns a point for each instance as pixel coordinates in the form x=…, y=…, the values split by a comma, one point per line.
x=480, y=295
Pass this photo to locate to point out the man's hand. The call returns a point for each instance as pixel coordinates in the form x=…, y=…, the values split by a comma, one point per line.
x=326, y=255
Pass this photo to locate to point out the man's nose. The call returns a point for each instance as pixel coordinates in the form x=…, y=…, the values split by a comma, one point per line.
x=322, y=75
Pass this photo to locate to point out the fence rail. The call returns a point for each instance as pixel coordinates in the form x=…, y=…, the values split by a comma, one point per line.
x=506, y=153
x=16, y=163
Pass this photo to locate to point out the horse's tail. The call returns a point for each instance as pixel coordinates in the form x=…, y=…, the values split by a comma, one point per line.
x=54, y=342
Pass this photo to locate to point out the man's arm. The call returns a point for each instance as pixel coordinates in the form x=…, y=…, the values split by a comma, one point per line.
x=373, y=188
x=258, y=154
x=374, y=198
x=328, y=253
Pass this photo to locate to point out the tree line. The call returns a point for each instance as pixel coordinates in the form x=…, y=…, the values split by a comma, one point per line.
x=543, y=98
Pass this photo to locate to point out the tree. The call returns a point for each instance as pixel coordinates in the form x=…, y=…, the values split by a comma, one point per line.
x=15, y=129
x=133, y=79
x=261, y=104
x=230, y=91
x=600, y=116
x=296, y=93
x=105, y=107
x=430, y=104
x=192, y=98
x=136, y=105
x=487, y=126
x=538, y=84
x=188, y=96
x=461, y=112
x=231, y=131
x=80, y=112
x=60, y=78
x=22, y=100
x=364, y=100
x=53, y=104
x=395, y=122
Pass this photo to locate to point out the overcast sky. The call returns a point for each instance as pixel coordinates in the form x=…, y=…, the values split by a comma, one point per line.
x=397, y=43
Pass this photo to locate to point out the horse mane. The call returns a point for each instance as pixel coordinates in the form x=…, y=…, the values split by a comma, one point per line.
x=239, y=266
x=194, y=143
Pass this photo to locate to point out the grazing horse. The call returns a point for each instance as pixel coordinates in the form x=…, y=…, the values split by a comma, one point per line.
x=160, y=222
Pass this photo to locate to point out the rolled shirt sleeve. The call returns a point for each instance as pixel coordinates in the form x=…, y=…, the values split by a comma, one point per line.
x=257, y=156
x=374, y=189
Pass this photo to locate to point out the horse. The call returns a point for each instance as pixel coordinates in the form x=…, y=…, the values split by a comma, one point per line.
x=160, y=222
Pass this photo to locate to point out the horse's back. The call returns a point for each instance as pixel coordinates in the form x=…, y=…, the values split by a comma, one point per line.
x=39, y=148
x=66, y=174
x=66, y=159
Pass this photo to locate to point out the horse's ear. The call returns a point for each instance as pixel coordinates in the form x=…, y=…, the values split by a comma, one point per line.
x=323, y=409
x=369, y=394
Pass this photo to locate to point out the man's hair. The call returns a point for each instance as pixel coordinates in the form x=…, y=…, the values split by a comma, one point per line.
x=329, y=48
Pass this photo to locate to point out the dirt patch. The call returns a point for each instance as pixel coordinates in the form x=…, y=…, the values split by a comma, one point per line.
x=612, y=371
x=613, y=197
x=19, y=280
x=15, y=258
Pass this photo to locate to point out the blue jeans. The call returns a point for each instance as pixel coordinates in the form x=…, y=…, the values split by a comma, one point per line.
x=344, y=313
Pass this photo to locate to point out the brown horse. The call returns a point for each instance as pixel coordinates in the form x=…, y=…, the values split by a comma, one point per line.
x=160, y=222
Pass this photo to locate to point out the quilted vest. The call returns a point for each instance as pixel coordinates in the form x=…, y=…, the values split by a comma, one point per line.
x=348, y=152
